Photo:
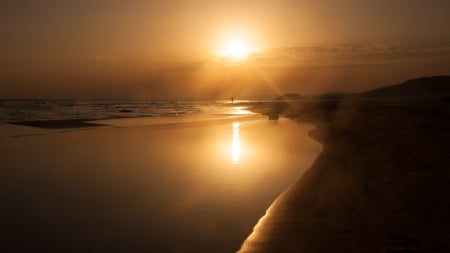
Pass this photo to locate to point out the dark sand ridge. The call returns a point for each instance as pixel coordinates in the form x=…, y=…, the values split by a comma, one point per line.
x=58, y=124
x=381, y=183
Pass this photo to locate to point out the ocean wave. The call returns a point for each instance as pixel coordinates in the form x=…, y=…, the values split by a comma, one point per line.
x=35, y=110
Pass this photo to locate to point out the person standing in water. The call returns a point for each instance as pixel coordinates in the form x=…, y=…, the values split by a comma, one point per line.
x=232, y=100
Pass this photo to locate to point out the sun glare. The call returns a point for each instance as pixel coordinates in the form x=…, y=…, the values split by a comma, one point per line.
x=236, y=144
x=235, y=49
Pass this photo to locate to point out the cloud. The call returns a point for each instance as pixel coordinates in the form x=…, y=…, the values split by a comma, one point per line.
x=356, y=50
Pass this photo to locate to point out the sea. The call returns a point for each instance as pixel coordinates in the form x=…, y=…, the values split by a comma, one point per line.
x=42, y=110
x=153, y=179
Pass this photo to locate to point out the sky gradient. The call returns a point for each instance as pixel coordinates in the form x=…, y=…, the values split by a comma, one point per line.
x=167, y=49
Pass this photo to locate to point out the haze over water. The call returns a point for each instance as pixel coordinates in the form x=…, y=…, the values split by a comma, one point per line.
x=148, y=185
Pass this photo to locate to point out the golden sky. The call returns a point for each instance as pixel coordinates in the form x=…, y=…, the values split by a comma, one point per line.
x=177, y=49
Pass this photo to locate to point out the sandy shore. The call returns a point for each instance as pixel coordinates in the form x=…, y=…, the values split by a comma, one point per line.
x=381, y=183
x=58, y=124
x=145, y=184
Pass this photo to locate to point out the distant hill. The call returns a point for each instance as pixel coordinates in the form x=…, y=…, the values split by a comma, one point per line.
x=424, y=88
x=290, y=96
x=336, y=95
x=436, y=87
x=331, y=96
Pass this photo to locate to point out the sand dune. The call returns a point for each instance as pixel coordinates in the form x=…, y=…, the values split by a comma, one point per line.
x=380, y=184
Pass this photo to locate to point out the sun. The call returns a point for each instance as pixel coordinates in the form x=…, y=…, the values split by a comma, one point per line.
x=235, y=49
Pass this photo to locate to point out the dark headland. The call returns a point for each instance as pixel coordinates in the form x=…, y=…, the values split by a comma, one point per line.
x=382, y=182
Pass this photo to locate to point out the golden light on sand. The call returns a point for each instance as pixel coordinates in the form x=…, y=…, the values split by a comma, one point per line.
x=236, y=144
x=235, y=49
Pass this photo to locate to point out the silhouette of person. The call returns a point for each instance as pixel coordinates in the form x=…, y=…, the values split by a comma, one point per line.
x=232, y=100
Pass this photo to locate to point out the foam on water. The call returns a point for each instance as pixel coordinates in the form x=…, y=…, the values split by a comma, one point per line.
x=33, y=110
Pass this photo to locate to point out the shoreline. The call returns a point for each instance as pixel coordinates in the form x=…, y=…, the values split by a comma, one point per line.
x=376, y=186
x=58, y=124
x=152, y=184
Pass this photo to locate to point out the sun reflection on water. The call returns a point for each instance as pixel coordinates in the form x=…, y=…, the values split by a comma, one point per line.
x=236, y=144
x=240, y=110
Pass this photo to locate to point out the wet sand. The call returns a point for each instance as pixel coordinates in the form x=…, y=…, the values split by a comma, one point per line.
x=381, y=183
x=145, y=185
x=58, y=124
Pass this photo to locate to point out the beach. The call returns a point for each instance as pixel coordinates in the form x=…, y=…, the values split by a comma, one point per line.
x=380, y=184
x=354, y=173
x=208, y=126
x=151, y=184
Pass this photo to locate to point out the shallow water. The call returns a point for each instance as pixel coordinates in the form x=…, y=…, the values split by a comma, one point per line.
x=189, y=186
x=14, y=110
